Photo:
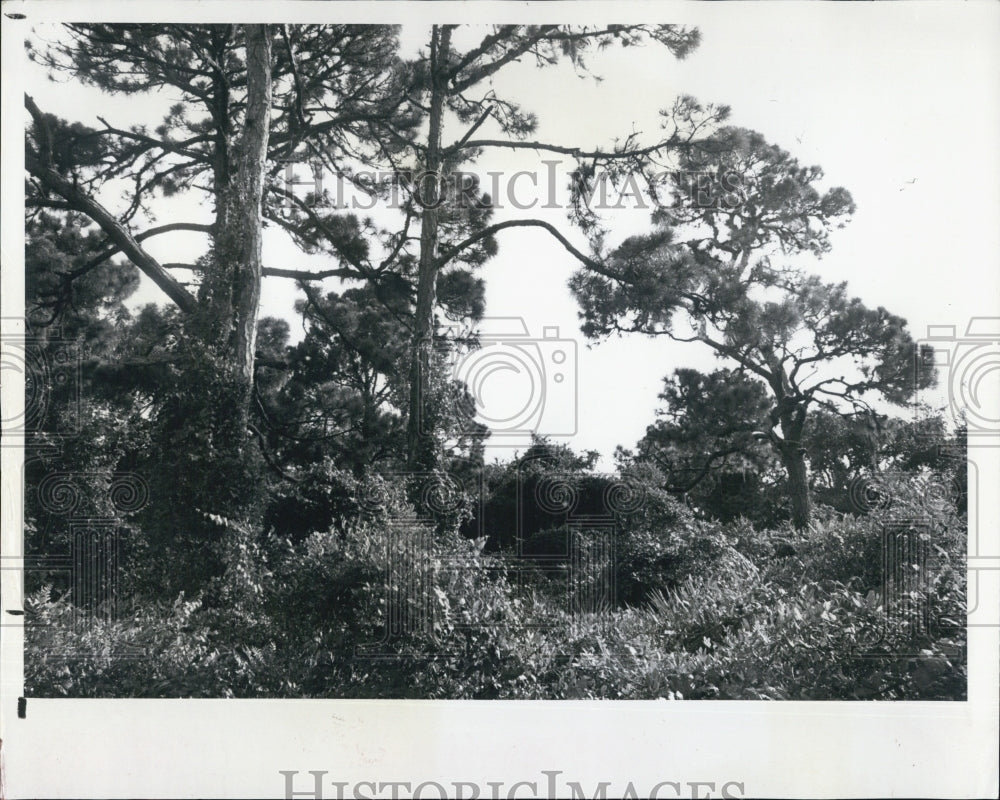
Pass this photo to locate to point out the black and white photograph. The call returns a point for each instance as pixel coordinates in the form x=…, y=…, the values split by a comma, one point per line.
x=632, y=367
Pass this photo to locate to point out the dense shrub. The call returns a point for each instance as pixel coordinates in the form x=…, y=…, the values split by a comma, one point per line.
x=321, y=497
x=376, y=611
x=395, y=610
x=650, y=560
x=392, y=604
x=159, y=651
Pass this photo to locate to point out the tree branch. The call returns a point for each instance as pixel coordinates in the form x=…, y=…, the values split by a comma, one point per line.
x=468, y=134
x=485, y=70
x=181, y=148
x=707, y=467
x=306, y=275
x=276, y=272
x=116, y=232
x=103, y=256
x=596, y=266
x=576, y=152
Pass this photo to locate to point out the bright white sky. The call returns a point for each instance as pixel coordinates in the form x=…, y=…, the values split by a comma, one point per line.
x=899, y=103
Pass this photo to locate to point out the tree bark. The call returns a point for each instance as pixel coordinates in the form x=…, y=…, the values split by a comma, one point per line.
x=792, y=454
x=420, y=442
x=798, y=487
x=230, y=292
x=210, y=464
x=253, y=162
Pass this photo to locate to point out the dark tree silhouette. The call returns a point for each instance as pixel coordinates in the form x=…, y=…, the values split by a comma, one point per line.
x=711, y=273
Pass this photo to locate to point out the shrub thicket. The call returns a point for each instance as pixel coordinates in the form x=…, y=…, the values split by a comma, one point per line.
x=392, y=606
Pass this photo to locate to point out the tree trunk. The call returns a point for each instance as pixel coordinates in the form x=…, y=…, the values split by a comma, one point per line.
x=798, y=486
x=211, y=468
x=789, y=415
x=792, y=422
x=247, y=221
x=420, y=442
x=230, y=291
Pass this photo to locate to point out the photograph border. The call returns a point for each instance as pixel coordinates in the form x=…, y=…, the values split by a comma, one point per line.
x=248, y=748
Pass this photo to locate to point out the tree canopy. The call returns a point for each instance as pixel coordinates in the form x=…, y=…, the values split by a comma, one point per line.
x=715, y=270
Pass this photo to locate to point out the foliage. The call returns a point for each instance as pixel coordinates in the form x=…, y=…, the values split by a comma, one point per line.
x=799, y=342
x=708, y=442
x=390, y=607
x=283, y=540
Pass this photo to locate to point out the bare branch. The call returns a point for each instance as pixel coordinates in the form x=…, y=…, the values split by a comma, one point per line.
x=306, y=275
x=468, y=134
x=104, y=255
x=596, y=266
x=116, y=232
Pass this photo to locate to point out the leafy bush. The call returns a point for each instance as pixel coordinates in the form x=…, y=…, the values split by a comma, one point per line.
x=662, y=543
x=389, y=605
x=160, y=651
